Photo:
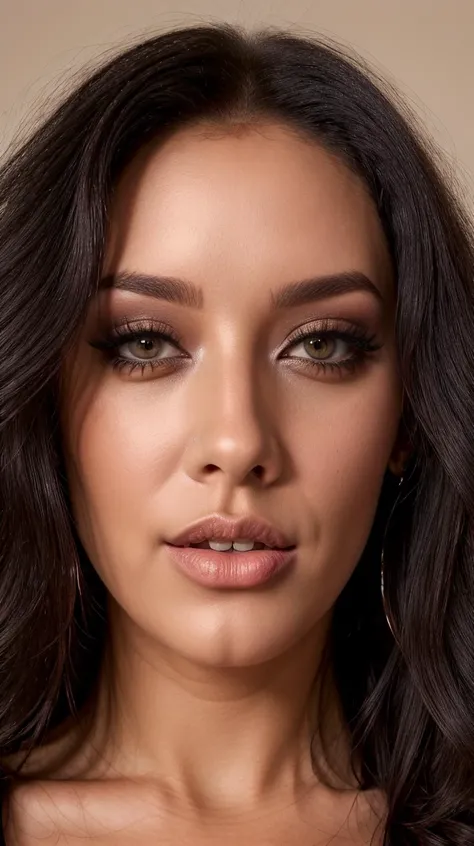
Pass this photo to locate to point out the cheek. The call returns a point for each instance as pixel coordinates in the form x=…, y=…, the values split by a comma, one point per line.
x=121, y=450
x=342, y=445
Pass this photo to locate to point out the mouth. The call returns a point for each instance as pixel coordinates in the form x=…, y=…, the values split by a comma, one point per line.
x=235, y=546
x=221, y=533
x=229, y=567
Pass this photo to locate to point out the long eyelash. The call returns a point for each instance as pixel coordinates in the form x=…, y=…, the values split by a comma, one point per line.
x=125, y=333
x=355, y=336
x=142, y=328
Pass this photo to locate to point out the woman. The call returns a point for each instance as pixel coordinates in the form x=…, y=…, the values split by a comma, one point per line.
x=236, y=309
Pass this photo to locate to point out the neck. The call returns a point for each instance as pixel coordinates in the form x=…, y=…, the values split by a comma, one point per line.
x=218, y=737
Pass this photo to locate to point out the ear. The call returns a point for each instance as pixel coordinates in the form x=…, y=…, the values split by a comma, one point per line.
x=401, y=451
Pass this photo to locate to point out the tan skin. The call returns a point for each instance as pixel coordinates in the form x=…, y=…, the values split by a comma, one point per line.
x=200, y=734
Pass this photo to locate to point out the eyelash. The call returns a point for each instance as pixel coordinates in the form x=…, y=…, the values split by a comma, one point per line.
x=356, y=337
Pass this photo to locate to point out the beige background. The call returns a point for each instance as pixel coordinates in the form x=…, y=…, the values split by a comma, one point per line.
x=423, y=46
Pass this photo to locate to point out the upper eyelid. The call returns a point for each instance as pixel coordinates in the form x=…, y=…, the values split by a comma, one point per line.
x=131, y=328
x=145, y=326
x=125, y=337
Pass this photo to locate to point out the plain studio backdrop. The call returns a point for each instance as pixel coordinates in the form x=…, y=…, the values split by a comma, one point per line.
x=424, y=47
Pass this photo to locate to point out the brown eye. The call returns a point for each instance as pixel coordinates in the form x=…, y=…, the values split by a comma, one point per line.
x=128, y=348
x=330, y=350
x=145, y=347
x=319, y=347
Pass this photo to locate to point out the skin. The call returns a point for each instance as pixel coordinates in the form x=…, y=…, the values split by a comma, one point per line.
x=202, y=716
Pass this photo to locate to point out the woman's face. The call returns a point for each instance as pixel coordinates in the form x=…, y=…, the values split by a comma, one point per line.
x=240, y=416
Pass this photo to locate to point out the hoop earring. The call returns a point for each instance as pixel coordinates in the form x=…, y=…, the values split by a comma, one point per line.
x=384, y=601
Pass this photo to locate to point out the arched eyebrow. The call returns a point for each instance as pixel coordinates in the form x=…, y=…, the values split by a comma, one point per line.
x=322, y=287
x=290, y=295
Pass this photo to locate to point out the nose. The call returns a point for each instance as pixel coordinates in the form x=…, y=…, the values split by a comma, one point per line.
x=232, y=435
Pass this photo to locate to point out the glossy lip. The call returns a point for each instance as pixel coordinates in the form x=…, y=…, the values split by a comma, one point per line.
x=230, y=569
x=218, y=527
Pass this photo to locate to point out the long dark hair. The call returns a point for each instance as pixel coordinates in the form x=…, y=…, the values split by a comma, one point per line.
x=409, y=700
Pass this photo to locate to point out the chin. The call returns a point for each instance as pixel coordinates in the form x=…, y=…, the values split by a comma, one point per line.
x=232, y=643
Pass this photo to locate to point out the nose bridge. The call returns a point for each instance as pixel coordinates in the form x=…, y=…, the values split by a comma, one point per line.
x=233, y=424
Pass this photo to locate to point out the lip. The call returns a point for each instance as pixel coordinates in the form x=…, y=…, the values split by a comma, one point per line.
x=213, y=569
x=219, y=527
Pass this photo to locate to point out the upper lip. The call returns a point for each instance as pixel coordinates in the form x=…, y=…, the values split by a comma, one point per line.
x=217, y=527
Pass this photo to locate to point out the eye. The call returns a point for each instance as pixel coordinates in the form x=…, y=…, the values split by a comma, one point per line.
x=320, y=347
x=142, y=345
x=146, y=347
x=331, y=348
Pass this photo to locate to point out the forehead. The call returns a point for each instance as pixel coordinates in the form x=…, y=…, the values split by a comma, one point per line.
x=256, y=204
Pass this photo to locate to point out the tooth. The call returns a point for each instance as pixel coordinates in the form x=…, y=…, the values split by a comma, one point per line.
x=243, y=545
x=220, y=546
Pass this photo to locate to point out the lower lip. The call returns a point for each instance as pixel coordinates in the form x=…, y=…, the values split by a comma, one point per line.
x=230, y=569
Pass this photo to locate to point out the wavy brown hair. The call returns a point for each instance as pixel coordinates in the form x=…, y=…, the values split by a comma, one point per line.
x=409, y=701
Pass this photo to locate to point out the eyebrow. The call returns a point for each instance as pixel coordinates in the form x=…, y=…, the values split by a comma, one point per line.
x=290, y=295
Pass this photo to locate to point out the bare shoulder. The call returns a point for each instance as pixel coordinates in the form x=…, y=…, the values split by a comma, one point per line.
x=71, y=811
